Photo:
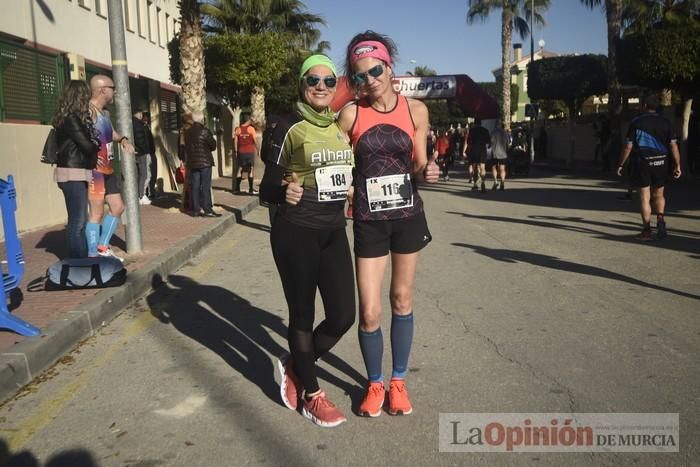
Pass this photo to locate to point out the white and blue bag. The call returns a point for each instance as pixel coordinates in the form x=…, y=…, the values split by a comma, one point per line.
x=85, y=273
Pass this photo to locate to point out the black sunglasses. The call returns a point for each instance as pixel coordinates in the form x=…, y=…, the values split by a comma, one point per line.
x=374, y=72
x=313, y=80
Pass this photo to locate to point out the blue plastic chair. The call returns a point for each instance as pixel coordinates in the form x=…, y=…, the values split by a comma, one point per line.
x=15, y=260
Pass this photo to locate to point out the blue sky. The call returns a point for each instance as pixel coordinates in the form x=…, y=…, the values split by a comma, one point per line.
x=439, y=37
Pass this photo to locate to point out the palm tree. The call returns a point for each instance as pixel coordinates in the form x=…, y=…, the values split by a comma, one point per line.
x=613, y=16
x=191, y=58
x=513, y=17
x=638, y=16
x=422, y=71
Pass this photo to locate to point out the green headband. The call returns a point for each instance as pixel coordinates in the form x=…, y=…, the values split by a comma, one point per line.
x=314, y=60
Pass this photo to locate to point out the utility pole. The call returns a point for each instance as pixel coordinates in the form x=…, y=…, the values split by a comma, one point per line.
x=122, y=102
x=532, y=59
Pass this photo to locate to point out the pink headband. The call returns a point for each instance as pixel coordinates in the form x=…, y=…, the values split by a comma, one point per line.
x=370, y=49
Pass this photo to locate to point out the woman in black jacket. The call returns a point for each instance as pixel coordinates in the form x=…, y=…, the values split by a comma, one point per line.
x=78, y=143
x=199, y=143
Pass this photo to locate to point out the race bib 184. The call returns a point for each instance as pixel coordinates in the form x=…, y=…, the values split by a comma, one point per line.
x=333, y=182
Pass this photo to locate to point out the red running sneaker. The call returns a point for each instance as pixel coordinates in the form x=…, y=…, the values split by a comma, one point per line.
x=371, y=405
x=322, y=412
x=398, y=398
x=290, y=386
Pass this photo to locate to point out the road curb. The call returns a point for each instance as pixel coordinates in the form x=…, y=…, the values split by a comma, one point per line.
x=27, y=359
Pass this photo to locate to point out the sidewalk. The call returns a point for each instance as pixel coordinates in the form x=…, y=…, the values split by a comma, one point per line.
x=65, y=318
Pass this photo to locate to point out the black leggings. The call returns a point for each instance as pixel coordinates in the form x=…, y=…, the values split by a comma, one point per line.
x=308, y=259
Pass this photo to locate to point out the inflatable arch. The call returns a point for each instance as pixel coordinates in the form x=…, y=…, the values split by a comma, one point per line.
x=472, y=99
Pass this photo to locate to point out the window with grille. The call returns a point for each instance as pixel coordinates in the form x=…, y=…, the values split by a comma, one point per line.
x=30, y=83
x=168, y=111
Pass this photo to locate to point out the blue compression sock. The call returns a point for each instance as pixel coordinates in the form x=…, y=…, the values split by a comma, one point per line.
x=109, y=226
x=372, y=347
x=92, y=234
x=401, y=340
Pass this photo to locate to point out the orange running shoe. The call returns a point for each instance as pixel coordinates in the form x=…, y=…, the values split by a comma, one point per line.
x=398, y=398
x=322, y=412
x=290, y=385
x=373, y=401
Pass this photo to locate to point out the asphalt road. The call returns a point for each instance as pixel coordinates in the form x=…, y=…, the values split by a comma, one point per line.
x=535, y=299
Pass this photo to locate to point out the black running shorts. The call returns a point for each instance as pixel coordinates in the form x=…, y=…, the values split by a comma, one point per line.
x=246, y=160
x=651, y=171
x=374, y=239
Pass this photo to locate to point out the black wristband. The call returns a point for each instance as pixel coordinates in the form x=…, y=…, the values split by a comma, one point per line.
x=123, y=138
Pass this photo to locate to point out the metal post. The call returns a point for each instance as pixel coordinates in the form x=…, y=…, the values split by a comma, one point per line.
x=122, y=102
x=532, y=59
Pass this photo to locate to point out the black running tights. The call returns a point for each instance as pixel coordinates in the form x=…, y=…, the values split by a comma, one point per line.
x=308, y=259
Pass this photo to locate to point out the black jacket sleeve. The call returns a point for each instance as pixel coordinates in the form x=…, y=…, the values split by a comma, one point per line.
x=271, y=189
x=80, y=135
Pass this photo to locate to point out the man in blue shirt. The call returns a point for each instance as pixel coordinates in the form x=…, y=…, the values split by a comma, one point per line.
x=649, y=141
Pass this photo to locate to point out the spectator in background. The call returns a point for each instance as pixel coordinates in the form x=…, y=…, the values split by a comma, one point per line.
x=105, y=183
x=442, y=146
x=143, y=155
x=499, y=156
x=78, y=143
x=199, y=143
x=151, y=190
x=478, y=141
x=245, y=144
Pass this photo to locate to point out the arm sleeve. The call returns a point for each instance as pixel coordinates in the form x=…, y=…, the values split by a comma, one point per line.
x=275, y=157
x=211, y=142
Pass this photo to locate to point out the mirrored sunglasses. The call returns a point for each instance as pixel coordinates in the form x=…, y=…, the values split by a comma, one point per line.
x=374, y=72
x=313, y=80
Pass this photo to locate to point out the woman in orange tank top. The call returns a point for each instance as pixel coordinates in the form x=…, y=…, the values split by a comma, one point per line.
x=389, y=135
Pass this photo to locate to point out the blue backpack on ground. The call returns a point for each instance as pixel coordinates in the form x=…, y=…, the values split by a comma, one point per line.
x=84, y=273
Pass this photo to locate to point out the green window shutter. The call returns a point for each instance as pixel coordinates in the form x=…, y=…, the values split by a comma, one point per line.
x=168, y=111
x=30, y=83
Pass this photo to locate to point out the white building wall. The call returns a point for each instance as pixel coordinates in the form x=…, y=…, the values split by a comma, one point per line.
x=81, y=26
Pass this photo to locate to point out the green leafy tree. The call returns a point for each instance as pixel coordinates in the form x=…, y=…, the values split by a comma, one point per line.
x=639, y=16
x=553, y=107
x=493, y=89
x=571, y=79
x=665, y=58
x=242, y=63
x=287, y=17
x=642, y=16
x=514, y=14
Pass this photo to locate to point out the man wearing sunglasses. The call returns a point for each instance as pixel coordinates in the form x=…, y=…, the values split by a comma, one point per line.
x=104, y=186
x=389, y=138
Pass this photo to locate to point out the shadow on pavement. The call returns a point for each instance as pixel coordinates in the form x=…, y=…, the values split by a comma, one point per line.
x=678, y=240
x=54, y=242
x=552, y=262
x=76, y=457
x=237, y=331
x=680, y=196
